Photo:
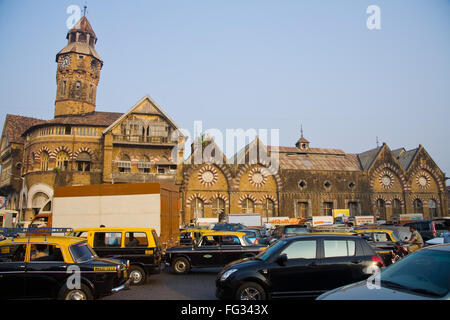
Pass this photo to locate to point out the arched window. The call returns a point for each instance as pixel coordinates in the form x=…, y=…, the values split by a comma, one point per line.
x=84, y=162
x=396, y=207
x=381, y=209
x=44, y=161
x=418, y=206
x=248, y=206
x=218, y=207
x=268, y=208
x=62, y=160
x=433, y=208
x=124, y=164
x=198, y=208
x=144, y=164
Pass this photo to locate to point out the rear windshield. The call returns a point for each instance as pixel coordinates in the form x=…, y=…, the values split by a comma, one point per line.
x=81, y=252
x=295, y=230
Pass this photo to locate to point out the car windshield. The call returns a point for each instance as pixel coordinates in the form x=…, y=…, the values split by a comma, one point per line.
x=295, y=230
x=247, y=241
x=266, y=254
x=250, y=234
x=81, y=252
x=425, y=272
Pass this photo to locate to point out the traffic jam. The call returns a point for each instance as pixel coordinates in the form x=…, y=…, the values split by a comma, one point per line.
x=323, y=258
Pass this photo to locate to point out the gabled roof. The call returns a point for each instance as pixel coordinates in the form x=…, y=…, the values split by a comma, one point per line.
x=397, y=152
x=242, y=156
x=154, y=109
x=83, y=25
x=407, y=157
x=197, y=152
x=367, y=158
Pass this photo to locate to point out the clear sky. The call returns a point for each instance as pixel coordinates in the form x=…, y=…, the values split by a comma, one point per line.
x=251, y=64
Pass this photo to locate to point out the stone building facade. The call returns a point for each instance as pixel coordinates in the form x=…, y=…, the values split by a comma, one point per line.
x=313, y=181
x=81, y=146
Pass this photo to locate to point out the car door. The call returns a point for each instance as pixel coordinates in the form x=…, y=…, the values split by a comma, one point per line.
x=46, y=271
x=341, y=263
x=207, y=253
x=12, y=271
x=298, y=276
x=231, y=249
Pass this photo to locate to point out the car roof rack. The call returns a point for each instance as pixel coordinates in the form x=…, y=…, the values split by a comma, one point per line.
x=12, y=232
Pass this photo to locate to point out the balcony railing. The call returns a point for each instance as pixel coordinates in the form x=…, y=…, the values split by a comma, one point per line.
x=141, y=139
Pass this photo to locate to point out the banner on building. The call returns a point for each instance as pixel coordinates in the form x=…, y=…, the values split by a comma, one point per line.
x=2, y=202
x=360, y=220
x=283, y=220
x=341, y=213
x=322, y=221
x=411, y=216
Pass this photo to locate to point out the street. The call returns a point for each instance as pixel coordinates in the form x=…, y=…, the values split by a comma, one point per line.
x=196, y=285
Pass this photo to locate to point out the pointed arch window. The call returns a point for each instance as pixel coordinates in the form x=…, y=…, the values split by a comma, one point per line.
x=268, y=208
x=381, y=209
x=248, y=206
x=432, y=204
x=44, y=161
x=396, y=207
x=62, y=160
x=218, y=207
x=144, y=164
x=418, y=206
x=124, y=164
x=84, y=162
x=198, y=208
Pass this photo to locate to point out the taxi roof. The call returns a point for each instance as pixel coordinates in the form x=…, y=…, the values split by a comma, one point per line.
x=117, y=229
x=40, y=239
x=225, y=233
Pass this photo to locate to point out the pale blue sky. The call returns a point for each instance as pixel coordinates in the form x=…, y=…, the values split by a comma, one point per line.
x=251, y=64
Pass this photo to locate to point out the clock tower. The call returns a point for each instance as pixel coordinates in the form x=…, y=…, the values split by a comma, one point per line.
x=78, y=72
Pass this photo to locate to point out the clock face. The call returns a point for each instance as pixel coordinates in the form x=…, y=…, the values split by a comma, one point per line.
x=64, y=62
x=386, y=180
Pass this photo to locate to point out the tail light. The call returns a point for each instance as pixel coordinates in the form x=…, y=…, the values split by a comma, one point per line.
x=378, y=259
x=283, y=236
x=434, y=229
x=119, y=271
x=256, y=241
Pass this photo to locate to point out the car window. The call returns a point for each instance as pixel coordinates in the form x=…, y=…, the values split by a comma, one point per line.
x=230, y=241
x=136, y=239
x=12, y=253
x=107, y=239
x=381, y=237
x=425, y=270
x=301, y=250
x=440, y=226
x=78, y=234
x=295, y=230
x=208, y=241
x=45, y=252
x=338, y=248
x=251, y=234
x=81, y=252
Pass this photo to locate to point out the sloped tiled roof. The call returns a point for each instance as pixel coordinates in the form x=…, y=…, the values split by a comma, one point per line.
x=16, y=125
x=305, y=161
x=367, y=158
x=406, y=158
x=100, y=119
x=397, y=152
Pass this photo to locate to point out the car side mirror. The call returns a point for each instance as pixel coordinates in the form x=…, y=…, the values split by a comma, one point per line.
x=282, y=259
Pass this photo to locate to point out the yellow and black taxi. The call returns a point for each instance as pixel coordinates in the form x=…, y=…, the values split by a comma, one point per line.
x=55, y=267
x=383, y=238
x=214, y=249
x=138, y=245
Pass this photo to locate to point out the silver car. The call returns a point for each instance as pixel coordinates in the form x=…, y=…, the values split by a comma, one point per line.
x=423, y=275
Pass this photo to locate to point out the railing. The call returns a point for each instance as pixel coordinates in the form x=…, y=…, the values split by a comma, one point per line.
x=140, y=139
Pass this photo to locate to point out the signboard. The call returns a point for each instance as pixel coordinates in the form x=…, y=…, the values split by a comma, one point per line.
x=247, y=219
x=283, y=220
x=411, y=216
x=2, y=202
x=360, y=220
x=341, y=213
x=322, y=221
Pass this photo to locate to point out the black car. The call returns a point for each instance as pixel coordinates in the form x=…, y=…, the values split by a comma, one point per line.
x=215, y=249
x=430, y=229
x=282, y=231
x=303, y=266
x=228, y=227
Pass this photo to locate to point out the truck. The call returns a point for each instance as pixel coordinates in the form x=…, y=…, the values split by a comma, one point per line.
x=131, y=205
x=247, y=219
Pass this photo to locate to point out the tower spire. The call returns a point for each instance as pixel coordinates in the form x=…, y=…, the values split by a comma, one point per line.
x=84, y=10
